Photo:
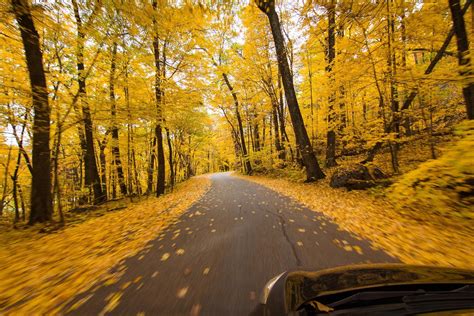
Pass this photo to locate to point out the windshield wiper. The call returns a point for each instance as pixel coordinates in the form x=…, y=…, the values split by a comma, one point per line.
x=372, y=296
x=403, y=302
x=433, y=301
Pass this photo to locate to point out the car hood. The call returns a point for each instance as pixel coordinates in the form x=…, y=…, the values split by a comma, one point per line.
x=302, y=286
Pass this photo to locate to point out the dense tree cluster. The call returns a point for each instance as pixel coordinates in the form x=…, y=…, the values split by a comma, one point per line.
x=104, y=99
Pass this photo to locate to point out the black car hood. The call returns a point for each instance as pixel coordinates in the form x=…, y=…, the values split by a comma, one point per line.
x=302, y=286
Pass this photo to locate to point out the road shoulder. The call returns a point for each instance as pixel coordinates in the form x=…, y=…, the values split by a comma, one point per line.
x=375, y=219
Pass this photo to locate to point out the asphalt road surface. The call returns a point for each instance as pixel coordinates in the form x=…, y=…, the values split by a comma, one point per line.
x=216, y=260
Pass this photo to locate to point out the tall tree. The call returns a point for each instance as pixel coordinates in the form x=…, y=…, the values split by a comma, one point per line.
x=331, y=55
x=392, y=72
x=313, y=170
x=41, y=197
x=160, y=182
x=247, y=165
x=90, y=163
x=464, y=59
x=115, y=129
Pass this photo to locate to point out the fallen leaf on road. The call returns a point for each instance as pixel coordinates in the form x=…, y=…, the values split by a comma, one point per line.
x=358, y=249
x=112, y=302
x=253, y=296
x=182, y=292
x=165, y=256
x=195, y=310
x=137, y=279
x=80, y=302
x=206, y=271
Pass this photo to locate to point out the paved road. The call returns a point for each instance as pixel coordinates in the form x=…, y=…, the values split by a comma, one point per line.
x=223, y=251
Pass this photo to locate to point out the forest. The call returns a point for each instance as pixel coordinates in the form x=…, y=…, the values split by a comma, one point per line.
x=117, y=116
x=108, y=99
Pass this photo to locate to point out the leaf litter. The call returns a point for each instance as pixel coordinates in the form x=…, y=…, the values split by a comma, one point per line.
x=40, y=274
x=429, y=241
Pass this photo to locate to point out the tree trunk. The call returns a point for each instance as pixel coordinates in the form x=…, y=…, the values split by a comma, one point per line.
x=280, y=108
x=392, y=67
x=331, y=55
x=278, y=147
x=170, y=157
x=19, y=140
x=151, y=165
x=5, y=180
x=135, y=174
x=56, y=185
x=130, y=147
x=313, y=171
x=464, y=59
x=247, y=165
x=103, y=164
x=256, y=133
x=115, y=130
x=160, y=181
x=41, y=198
x=92, y=174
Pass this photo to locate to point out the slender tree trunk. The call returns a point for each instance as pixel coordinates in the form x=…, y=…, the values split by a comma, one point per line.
x=135, y=174
x=280, y=108
x=5, y=181
x=160, y=181
x=41, y=198
x=15, y=201
x=464, y=59
x=247, y=165
x=160, y=185
x=14, y=177
x=256, y=134
x=115, y=130
x=151, y=165
x=19, y=141
x=343, y=120
x=313, y=171
x=103, y=164
x=92, y=174
x=311, y=98
x=278, y=147
x=189, y=160
x=170, y=157
x=130, y=150
x=331, y=118
x=22, y=203
x=392, y=66
x=56, y=186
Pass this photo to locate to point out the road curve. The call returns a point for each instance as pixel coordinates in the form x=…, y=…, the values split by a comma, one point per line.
x=220, y=254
